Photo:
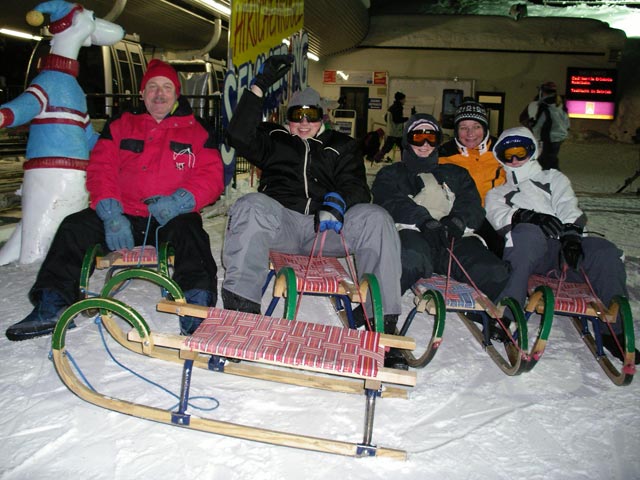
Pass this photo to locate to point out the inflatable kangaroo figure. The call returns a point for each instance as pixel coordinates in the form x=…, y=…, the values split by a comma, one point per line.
x=60, y=135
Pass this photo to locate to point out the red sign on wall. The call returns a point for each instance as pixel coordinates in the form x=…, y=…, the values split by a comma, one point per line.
x=379, y=78
x=329, y=76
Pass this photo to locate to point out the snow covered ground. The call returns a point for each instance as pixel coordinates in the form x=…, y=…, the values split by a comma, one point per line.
x=465, y=419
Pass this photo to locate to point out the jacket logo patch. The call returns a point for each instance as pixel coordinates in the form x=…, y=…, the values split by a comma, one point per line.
x=182, y=155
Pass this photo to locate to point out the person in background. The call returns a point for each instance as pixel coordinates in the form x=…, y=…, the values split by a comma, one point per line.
x=471, y=149
x=548, y=119
x=370, y=143
x=538, y=213
x=433, y=204
x=395, y=122
x=313, y=180
x=160, y=163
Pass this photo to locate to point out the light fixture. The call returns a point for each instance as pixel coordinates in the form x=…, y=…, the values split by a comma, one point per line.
x=313, y=56
x=216, y=6
x=16, y=33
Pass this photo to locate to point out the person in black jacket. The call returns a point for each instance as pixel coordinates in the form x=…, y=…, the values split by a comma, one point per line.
x=312, y=180
x=395, y=121
x=432, y=205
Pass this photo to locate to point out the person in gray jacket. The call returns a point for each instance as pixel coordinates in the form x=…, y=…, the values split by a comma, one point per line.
x=544, y=228
x=548, y=120
x=312, y=179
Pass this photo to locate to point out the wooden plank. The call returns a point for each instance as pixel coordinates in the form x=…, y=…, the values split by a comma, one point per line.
x=274, y=437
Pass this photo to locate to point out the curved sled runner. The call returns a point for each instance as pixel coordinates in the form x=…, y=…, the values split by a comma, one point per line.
x=326, y=276
x=576, y=300
x=437, y=295
x=319, y=352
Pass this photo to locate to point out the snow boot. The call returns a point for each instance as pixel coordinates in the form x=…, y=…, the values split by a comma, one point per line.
x=231, y=301
x=609, y=343
x=195, y=296
x=42, y=320
x=393, y=358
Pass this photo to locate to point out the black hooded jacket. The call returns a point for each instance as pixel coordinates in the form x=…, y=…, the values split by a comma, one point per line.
x=297, y=172
x=396, y=184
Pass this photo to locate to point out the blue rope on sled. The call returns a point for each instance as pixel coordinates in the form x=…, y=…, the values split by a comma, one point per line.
x=98, y=322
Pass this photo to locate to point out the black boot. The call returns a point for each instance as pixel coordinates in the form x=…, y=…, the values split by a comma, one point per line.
x=42, y=320
x=195, y=296
x=393, y=358
x=610, y=344
x=231, y=301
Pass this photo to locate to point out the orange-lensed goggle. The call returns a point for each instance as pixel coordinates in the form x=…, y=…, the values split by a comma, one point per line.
x=515, y=149
x=298, y=112
x=419, y=137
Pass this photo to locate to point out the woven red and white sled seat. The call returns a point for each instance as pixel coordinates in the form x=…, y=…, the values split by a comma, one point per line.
x=574, y=298
x=293, y=343
x=323, y=274
x=141, y=255
x=458, y=295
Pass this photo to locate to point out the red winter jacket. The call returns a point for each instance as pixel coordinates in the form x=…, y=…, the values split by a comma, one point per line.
x=137, y=158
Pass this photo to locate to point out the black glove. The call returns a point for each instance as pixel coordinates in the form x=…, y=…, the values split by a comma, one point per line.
x=272, y=70
x=433, y=231
x=453, y=227
x=551, y=226
x=330, y=216
x=571, y=251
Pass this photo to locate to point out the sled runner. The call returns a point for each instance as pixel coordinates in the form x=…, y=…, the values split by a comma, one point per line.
x=578, y=301
x=327, y=357
x=437, y=295
x=326, y=276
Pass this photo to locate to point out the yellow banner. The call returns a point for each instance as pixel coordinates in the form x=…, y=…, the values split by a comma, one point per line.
x=258, y=25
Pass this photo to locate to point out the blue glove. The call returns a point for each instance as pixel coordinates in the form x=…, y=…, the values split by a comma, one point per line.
x=117, y=227
x=330, y=216
x=167, y=207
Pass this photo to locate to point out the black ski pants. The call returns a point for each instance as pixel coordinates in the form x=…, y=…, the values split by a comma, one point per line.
x=194, y=266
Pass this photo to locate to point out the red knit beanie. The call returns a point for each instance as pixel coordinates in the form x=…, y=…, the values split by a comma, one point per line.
x=158, y=68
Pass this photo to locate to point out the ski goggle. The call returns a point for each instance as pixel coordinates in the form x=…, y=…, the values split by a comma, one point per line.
x=515, y=149
x=298, y=112
x=420, y=137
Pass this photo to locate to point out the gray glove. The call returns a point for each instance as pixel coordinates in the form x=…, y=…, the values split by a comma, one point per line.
x=117, y=227
x=167, y=207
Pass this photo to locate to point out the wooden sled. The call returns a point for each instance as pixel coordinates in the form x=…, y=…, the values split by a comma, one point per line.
x=576, y=300
x=142, y=256
x=326, y=357
x=438, y=294
x=325, y=276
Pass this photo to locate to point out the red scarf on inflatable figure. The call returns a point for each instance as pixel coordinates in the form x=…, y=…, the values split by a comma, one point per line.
x=60, y=135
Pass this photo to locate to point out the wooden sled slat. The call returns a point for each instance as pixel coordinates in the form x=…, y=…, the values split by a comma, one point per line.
x=387, y=375
x=272, y=437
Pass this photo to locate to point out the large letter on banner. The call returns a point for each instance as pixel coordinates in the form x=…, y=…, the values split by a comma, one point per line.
x=257, y=25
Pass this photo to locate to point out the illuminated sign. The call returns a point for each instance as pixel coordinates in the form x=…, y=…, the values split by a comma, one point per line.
x=591, y=93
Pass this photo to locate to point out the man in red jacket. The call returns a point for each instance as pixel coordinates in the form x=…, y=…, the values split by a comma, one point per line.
x=161, y=163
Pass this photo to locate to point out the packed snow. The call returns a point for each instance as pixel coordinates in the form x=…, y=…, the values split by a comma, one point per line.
x=465, y=419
